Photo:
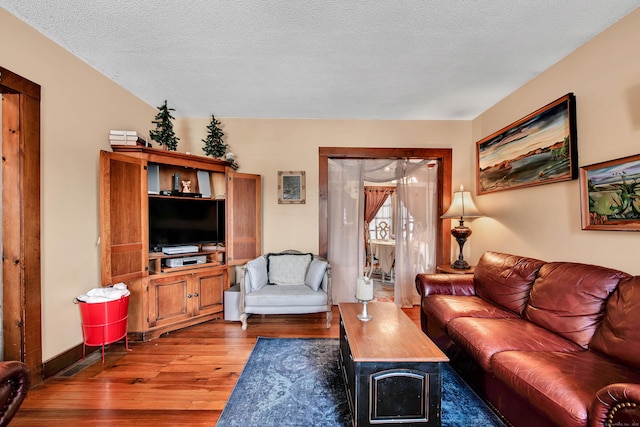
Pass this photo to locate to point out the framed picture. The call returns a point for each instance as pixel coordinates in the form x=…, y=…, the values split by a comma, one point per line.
x=610, y=195
x=291, y=187
x=540, y=148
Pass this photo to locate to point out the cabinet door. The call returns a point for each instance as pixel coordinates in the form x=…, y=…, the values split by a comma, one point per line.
x=208, y=291
x=169, y=300
x=243, y=218
x=122, y=218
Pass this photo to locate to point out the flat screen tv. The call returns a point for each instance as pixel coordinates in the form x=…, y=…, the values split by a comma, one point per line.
x=174, y=221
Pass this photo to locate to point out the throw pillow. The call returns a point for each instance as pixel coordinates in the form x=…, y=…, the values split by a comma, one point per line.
x=316, y=274
x=257, y=272
x=288, y=269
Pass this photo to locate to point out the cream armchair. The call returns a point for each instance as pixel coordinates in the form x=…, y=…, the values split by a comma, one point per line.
x=289, y=282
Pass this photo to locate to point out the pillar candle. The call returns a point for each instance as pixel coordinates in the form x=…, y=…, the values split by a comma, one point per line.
x=364, y=289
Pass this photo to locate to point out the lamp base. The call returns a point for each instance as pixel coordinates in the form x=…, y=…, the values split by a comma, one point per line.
x=364, y=316
x=461, y=264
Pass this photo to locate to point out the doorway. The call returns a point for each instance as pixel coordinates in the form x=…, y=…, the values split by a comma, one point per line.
x=21, y=314
x=442, y=157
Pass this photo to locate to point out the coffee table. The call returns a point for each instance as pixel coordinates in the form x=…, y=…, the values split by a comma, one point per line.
x=390, y=367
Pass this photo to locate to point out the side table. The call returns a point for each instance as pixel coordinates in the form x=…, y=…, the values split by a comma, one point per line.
x=446, y=268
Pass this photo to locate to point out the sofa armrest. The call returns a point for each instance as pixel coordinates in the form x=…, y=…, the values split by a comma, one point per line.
x=616, y=405
x=15, y=379
x=445, y=284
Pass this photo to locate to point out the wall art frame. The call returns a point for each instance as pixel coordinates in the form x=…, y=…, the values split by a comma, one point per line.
x=292, y=187
x=538, y=149
x=610, y=195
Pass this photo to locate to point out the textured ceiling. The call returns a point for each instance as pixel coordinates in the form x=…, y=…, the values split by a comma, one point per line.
x=353, y=59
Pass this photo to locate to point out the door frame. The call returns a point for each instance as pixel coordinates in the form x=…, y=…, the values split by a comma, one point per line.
x=21, y=268
x=442, y=155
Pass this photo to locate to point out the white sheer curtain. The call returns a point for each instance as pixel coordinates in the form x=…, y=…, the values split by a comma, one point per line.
x=345, y=204
x=416, y=228
x=415, y=249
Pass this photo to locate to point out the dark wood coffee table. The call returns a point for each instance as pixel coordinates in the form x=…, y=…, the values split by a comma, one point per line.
x=391, y=368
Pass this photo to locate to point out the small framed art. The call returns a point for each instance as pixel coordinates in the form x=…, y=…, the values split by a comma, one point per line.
x=610, y=195
x=291, y=187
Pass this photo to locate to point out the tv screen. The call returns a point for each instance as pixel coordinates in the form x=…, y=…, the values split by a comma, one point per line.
x=185, y=221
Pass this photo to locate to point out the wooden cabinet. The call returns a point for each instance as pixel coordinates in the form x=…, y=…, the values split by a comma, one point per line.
x=138, y=195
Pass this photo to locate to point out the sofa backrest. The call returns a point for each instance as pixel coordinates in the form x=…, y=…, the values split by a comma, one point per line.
x=618, y=336
x=569, y=298
x=506, y=279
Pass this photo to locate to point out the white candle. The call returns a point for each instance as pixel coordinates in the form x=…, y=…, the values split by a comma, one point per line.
x=364, y=289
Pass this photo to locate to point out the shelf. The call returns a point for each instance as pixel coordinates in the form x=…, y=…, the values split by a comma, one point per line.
x=162, y=255
x=188, y=267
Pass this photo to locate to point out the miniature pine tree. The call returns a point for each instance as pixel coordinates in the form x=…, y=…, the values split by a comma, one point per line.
x=213, y=144
x=164, y=134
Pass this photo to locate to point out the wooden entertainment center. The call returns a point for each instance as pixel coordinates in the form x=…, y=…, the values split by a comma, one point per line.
x=164, y=294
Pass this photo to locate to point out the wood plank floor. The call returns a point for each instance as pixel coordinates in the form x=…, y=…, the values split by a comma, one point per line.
x=183, y=378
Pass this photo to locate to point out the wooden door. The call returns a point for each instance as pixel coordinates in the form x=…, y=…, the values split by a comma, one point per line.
x=244, y=234
x=208, y=291
x=169, y=300
x=21, y=269
x=123, y=218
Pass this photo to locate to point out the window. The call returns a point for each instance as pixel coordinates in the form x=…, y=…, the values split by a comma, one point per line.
x=382, y=226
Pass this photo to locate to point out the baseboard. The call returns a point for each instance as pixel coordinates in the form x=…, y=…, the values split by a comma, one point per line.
x=64, y=360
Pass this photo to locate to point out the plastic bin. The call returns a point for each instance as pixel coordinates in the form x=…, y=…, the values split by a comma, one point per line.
x=231, y=302
x=104, y=323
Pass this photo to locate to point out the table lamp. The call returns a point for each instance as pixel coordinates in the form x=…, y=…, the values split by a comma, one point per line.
x=364, y=294
x=461, y=207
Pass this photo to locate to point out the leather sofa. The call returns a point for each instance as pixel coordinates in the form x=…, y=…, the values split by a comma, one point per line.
x=15, y=379
x=288, y=282
x=545, y=343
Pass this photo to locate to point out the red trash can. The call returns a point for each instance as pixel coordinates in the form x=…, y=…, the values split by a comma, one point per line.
x=104, y=323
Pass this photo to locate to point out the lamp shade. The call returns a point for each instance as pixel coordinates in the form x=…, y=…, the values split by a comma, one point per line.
x=462, y=206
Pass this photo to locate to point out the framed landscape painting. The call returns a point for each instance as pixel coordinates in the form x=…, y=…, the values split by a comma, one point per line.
x=610, y=195
x=540, y=148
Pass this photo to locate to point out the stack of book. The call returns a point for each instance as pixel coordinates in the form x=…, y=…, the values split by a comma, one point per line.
x=126, y=137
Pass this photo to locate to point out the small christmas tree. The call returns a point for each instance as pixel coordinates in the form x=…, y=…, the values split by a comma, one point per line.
x=213, y=144
x=164, y=134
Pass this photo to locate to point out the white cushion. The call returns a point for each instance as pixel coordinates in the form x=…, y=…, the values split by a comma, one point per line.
x=279, y=299
x=316, y=274
x=288, y=269
x=257, y=272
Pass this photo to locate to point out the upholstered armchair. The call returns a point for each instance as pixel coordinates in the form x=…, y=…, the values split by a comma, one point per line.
x=289, y=282
x=15, y=380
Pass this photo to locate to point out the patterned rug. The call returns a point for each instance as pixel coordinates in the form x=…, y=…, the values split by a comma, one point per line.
x=297, y=382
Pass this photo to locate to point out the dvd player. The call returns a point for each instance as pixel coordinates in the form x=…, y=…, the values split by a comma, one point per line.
x=173, y=250
x=187, y=260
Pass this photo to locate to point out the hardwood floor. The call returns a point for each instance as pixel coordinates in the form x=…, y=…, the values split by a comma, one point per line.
x=183, y=378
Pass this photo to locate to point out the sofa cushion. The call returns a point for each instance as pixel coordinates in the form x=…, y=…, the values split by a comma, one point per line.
x=287, y=268
x=315, y=274
x=506, y=279
x=286, y=297
x=562, y=385
x=619, y=335
x=257, y=272
x=443, y=308
x=483, y=338
x=569, y=298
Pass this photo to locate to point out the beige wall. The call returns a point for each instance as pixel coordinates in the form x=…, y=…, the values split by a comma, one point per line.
x=544, y=221
x=267, y=146
x=78, y=108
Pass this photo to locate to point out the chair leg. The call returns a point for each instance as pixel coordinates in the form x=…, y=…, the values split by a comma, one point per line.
x=329, y=317
x=243, y=319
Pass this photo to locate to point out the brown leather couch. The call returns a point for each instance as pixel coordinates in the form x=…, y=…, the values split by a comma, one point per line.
x=15, y=380
x=545, y=343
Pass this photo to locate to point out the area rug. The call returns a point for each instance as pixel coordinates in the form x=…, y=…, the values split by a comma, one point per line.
x=297, y=382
